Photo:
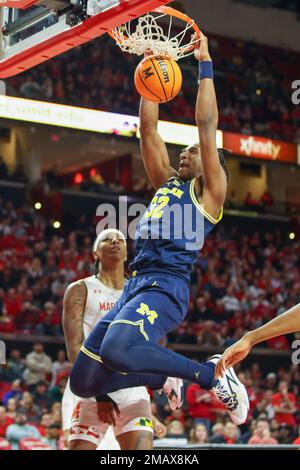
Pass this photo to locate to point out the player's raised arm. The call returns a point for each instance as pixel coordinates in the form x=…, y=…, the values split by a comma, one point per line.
x=288, y=322
x=153, y=148
x=72, y=320
x=207, y=121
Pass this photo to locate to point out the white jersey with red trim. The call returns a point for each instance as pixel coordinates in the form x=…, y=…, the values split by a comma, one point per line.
x=100, y=300
x=134, y=403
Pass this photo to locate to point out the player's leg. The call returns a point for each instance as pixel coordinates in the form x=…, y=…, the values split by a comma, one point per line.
x=90, y=378
x=81, y=444
x=134, y=428
x=85, y=432
x=67, y=406
x=130, y=344
x=136, y=440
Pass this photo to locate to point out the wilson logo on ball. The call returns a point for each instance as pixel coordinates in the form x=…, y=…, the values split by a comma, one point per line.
x=164, y=68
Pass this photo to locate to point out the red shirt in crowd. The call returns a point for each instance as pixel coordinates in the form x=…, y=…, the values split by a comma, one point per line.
x=284, y=418
x=4, y=425
x=279, y=343
x=198, y=409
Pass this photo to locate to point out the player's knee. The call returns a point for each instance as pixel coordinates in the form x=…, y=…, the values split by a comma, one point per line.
x=114, y=351
x=81, y=378
x=79, y=387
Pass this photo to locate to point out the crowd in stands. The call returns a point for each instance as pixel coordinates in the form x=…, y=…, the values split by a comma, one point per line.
x=254, y=93
x=239, y=282
x=31, y=390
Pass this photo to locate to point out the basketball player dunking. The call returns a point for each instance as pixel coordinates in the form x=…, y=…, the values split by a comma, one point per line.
x=85, y=302
x=155, y=300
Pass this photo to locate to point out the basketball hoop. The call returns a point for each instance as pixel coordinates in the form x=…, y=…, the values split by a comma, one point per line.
x=149, y=35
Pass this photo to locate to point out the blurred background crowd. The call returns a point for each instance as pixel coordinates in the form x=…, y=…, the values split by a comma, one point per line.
x=240, y=281
x=253, y=89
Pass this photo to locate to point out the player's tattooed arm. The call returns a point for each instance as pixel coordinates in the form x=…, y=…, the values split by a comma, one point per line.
x=154, y=151
x=72, y=320
x=207, y=116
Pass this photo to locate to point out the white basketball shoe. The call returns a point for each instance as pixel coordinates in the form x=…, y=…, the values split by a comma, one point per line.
x=232, y=393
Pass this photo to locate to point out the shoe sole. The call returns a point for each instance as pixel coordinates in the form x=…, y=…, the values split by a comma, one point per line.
x=245, y=395
x=236, y=421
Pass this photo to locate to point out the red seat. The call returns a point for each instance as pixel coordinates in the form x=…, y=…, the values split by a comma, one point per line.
x=41, y=446
x=27, y=443
x=4, y=444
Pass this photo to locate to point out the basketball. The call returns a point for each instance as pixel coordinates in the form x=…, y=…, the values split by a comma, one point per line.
x=158, y=78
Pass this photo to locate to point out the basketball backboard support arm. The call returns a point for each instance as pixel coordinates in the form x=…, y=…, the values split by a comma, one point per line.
x=61, y=36
x=18, y=3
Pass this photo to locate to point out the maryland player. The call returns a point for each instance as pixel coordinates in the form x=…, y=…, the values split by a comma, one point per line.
x=85, y=302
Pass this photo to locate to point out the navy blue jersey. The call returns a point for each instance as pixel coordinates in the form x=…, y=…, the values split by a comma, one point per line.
x=172, y=230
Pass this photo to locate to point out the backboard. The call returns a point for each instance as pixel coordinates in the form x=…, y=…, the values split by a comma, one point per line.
x=34, y=31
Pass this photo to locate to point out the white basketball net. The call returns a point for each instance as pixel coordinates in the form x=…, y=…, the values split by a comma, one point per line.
x=148, y=35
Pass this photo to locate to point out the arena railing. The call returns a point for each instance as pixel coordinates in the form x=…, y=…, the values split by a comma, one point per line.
x=163, y=445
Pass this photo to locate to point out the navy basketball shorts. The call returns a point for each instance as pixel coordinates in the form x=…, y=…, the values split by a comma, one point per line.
x=154, y=303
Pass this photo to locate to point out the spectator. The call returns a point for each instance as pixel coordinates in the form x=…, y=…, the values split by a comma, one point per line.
x=20, y=430
x=38, y=366
x=15, y=392
x=5, y=421
x=45, y=423
x=56, y=393
x=15, y=365
x=230, y=436
x=198, y=435
x=284, y=404
x=176, y=430
x=208, y=336
x=59, y=366
x=230, y=301
x=52, y=436
x=217, y=432
x=199, y=404
x=11, y=408
x=267, y=200
x=29, y=408
x=41, y=395
x=262, y=434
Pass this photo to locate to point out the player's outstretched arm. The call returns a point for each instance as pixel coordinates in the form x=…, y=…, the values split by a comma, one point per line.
x=288, y=322
x=207, y=121
x=72, y=320
x=153, y=148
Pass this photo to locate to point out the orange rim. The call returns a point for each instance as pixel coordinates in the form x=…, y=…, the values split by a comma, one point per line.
x=176, y=14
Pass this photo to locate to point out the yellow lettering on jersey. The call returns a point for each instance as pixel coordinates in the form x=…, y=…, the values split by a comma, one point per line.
x=175, y=191
x=178, y=193
x=145, y=310
x=158, y=212
x=156, y=206
x=151, y=207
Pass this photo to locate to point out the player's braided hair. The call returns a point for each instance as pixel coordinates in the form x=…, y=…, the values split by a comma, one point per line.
x=222, y=155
